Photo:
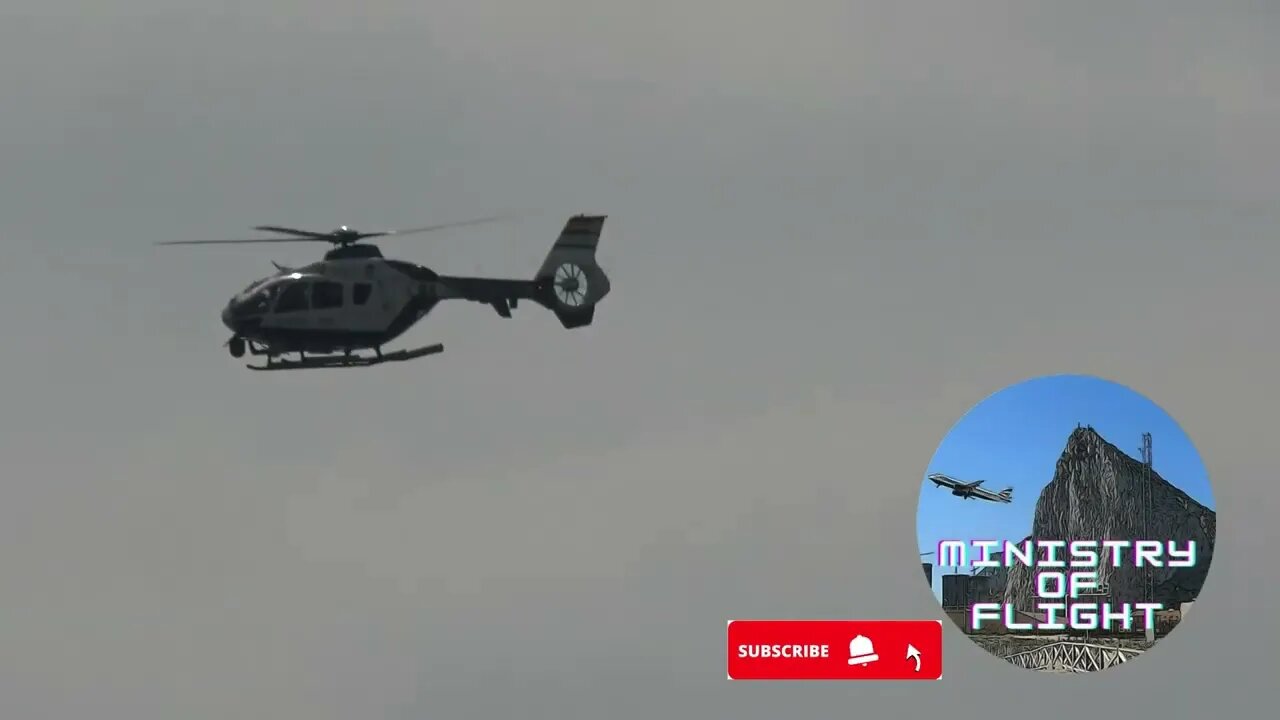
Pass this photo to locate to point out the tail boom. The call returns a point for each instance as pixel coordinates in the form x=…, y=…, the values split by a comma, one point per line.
x=569, y=283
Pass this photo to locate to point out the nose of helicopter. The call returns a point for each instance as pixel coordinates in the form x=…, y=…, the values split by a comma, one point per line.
x=226, y=318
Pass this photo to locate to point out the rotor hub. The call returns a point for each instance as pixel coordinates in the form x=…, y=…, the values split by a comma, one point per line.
x=345, y=236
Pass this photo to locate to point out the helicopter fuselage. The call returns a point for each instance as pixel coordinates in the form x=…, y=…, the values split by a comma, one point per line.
x=357, y=300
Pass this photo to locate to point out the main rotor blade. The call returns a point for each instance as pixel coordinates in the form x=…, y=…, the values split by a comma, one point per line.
x=429, y=228
x=291, y=231
x=248, y=240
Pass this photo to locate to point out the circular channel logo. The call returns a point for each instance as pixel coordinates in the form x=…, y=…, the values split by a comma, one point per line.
x=1066, y=524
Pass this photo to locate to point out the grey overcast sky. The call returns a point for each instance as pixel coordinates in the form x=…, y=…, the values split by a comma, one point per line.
x=834, y=227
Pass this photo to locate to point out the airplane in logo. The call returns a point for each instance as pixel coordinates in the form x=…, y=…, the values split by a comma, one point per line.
x=969, y=490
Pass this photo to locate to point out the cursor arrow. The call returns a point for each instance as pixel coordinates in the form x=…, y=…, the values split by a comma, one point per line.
x=913, y=653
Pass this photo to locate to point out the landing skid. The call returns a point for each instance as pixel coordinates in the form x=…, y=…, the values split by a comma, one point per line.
x=342, y=361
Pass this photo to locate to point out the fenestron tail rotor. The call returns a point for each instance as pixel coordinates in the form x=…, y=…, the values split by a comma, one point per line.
x=570, y=285
x=341, y=236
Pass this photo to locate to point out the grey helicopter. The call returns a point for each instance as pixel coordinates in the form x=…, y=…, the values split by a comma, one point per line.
x=332, y=312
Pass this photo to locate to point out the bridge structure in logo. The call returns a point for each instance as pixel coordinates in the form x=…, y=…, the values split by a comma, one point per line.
x=1073, y=657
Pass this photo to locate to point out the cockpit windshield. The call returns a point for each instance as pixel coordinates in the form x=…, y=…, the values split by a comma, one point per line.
x=254, y=284
x=259, y=302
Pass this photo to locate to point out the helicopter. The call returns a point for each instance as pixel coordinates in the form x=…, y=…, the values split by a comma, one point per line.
x=332, y=312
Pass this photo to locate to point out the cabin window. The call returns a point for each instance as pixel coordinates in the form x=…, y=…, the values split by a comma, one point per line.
x=293, y=298
x=360, y=293
x=326, y=295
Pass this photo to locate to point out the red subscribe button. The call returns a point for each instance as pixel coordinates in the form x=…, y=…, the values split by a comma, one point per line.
x=835, y=650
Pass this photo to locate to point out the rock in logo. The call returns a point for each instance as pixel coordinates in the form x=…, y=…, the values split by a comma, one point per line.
x=1066, y=524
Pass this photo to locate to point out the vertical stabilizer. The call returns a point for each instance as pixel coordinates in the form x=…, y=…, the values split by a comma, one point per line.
x=576, y=280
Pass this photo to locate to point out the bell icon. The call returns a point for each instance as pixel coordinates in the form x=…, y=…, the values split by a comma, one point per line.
x=861, y=652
